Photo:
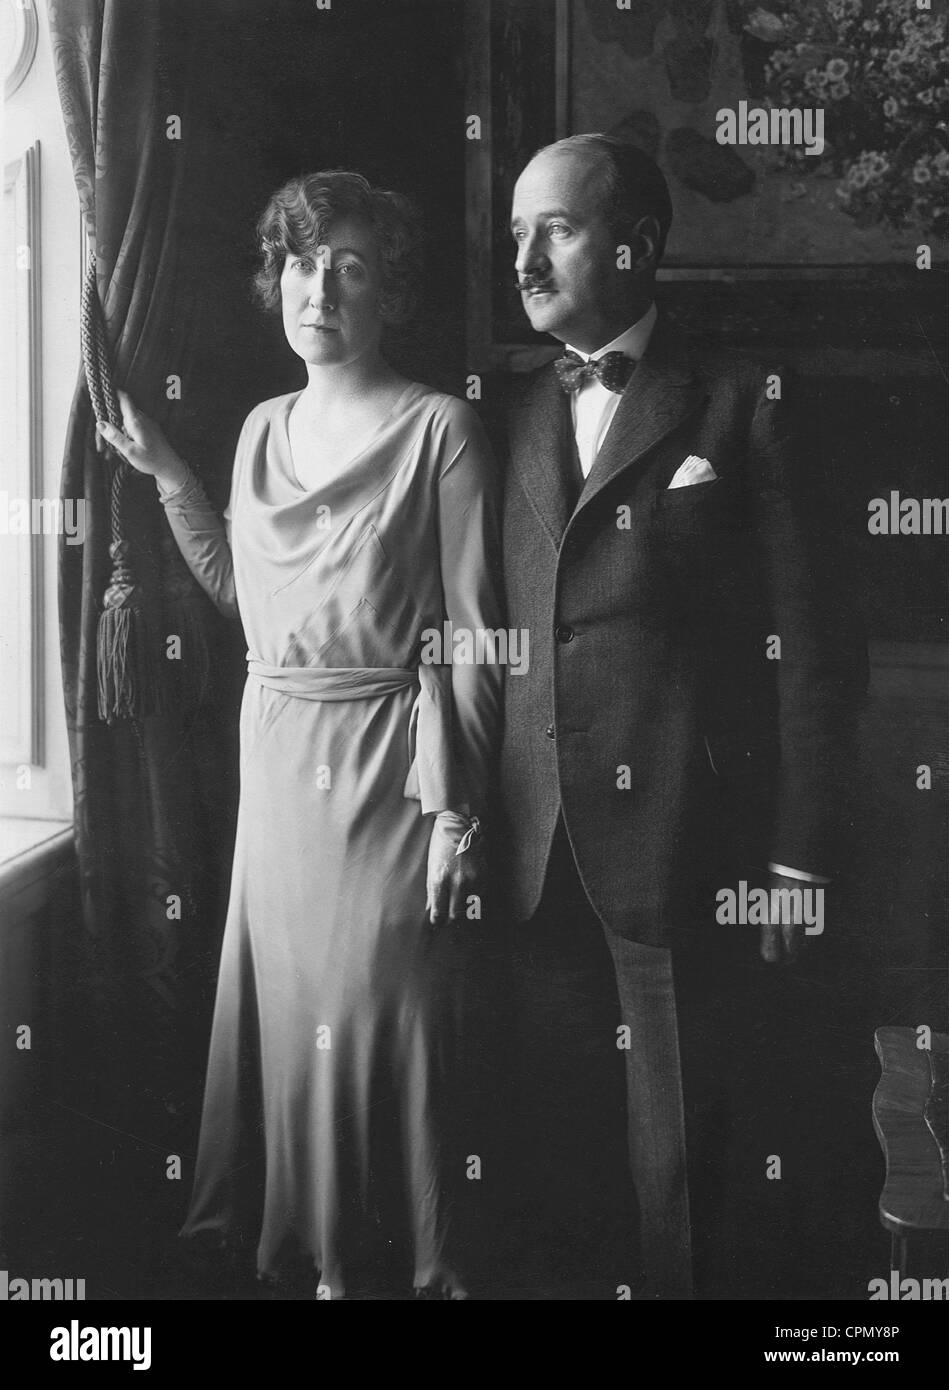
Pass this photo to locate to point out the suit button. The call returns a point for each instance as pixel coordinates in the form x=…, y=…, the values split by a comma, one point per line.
x=551, y=731
x=563, y=633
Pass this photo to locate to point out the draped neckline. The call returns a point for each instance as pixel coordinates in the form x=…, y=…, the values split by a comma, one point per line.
x=292, y=475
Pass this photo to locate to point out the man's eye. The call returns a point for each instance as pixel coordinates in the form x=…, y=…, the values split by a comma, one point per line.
x=519, y=234
x=558, y=229
x=350, y=268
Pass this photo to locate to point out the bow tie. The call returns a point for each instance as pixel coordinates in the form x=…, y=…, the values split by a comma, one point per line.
x=612, y=370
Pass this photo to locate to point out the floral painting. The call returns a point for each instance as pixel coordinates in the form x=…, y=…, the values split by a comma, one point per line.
x=659, y=73
x=882, y=73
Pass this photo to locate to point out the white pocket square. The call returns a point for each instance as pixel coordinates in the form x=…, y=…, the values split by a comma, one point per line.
x=693, y=470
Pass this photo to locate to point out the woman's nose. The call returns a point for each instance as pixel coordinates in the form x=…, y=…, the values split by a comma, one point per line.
x=323, y=288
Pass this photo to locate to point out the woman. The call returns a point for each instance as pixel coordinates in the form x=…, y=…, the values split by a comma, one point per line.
x=361, y=514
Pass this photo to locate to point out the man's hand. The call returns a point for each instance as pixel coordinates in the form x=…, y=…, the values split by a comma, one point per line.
x=783, y=937
x=452, y=878
x=144, y=446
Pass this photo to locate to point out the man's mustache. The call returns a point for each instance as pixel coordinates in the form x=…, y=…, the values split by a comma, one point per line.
x=533, y=282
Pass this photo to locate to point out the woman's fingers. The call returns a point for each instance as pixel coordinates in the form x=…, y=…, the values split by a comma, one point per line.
x=437, y=897
x=132, y=417
x=113, y=436
x=130, y=449
x=142, y=443
x=448, y=897
x=462, y=886
x=452, y=879
x=461, y=883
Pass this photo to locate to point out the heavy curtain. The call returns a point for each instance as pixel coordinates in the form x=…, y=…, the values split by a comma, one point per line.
x=154, y=793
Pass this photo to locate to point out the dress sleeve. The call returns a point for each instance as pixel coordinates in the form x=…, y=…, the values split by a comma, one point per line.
x=471, y=585
x=203, y=537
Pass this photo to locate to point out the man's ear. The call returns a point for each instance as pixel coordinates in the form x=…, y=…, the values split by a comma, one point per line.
x=649, y=236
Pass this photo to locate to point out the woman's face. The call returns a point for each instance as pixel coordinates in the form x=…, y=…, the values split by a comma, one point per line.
x=330, y=297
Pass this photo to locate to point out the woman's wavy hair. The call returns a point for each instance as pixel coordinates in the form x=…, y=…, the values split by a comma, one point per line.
x=298, y=217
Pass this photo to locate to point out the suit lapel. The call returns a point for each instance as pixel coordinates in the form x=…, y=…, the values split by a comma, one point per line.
x=536, y=447
x=661, y=392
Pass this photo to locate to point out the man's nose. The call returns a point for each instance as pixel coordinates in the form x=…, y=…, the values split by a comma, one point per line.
x=531, y=256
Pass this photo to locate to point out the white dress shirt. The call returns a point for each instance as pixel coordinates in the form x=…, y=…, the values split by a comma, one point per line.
x=592, y=408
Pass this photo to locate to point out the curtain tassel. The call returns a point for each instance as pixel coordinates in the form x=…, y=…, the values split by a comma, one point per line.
x=129, y=677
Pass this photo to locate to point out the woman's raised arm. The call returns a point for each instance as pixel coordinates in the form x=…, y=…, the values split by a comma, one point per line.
x=197, y=527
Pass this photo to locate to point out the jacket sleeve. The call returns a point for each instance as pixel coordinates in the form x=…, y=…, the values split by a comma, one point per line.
x=821, y=668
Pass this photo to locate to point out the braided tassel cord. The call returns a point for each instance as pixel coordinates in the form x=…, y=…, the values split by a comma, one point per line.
x=129, y=675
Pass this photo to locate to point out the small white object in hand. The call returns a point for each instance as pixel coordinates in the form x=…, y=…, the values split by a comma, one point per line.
x=469, y=837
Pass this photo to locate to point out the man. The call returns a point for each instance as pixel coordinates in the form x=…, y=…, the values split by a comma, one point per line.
x=681, y=722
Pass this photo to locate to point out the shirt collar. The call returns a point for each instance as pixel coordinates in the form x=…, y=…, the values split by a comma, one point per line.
x=632, y=343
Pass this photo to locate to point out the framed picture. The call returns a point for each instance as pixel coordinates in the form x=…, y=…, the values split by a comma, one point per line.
x=851, y=207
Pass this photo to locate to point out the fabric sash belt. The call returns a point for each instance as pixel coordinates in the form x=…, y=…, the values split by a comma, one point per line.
x=429, y=778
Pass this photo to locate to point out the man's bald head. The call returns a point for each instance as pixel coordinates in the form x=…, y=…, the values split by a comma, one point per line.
x=628, y=183
x=578, y=205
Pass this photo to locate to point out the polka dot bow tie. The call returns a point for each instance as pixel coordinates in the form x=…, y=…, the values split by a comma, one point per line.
x=612, y=370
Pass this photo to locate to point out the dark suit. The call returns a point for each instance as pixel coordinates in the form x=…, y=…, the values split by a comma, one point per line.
x=652, y=728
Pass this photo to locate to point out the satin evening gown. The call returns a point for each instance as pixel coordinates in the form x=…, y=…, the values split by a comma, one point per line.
x=333, y=1037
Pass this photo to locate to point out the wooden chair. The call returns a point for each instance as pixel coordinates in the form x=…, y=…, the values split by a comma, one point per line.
x=915, y=1196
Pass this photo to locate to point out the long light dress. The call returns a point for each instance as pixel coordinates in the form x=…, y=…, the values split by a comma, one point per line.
x=328, y=1050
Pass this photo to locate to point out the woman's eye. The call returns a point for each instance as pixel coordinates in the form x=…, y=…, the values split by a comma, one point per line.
x=303, y=267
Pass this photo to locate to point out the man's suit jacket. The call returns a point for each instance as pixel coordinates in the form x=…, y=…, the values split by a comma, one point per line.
x=655, y=714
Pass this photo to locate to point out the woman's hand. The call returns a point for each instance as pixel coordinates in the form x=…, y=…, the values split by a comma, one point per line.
x=452, y=878
x=144, y=445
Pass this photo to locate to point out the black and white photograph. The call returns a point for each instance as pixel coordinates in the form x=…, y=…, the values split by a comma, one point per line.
x=474, y=666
